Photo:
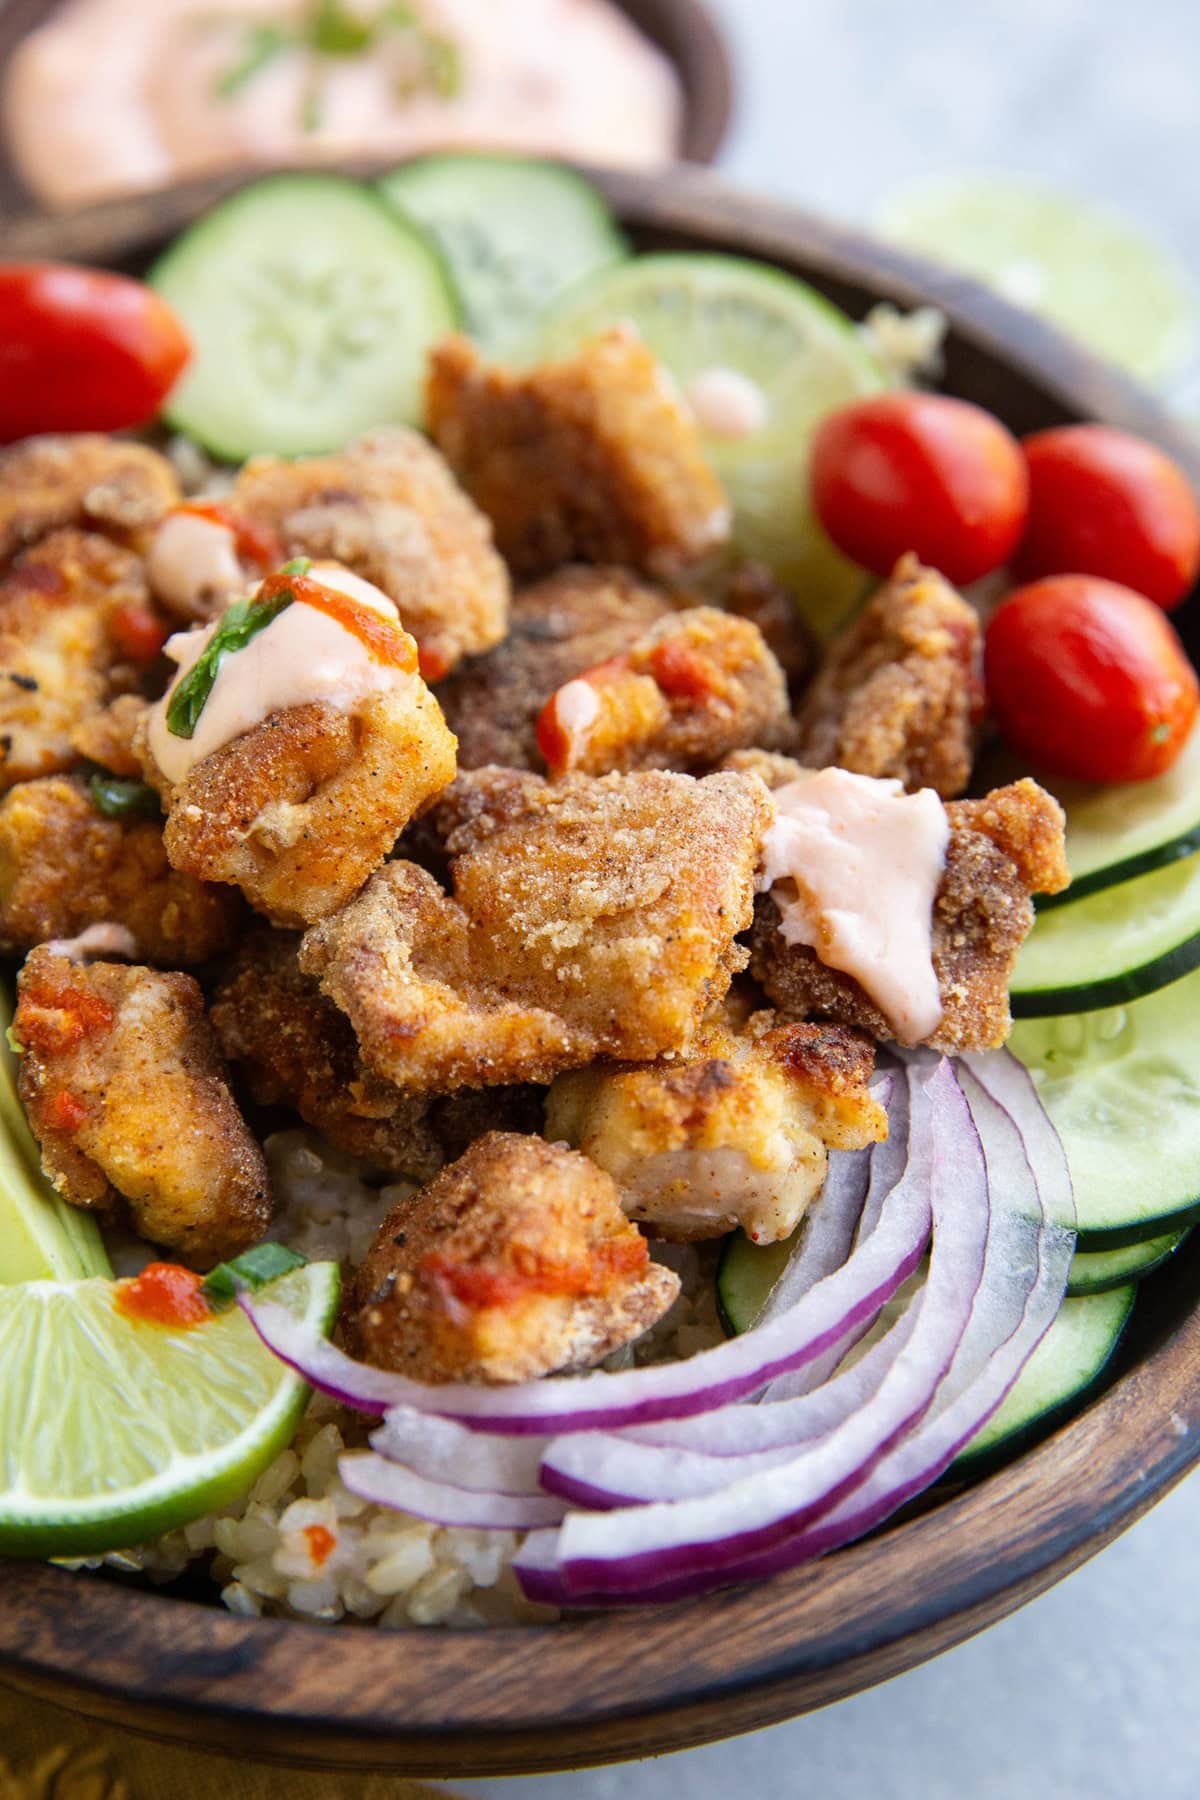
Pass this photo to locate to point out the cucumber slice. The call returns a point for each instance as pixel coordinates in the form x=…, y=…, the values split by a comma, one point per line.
x=1121, y=1088
x=746, y=1274
x=705, y=313
x=1096, y=1271
x=311, y=306
x=1064, y=1369
x=514, y=232
x=1116, y=945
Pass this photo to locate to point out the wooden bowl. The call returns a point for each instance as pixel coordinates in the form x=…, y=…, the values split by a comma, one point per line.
x=454, y=1703
x=684, y=29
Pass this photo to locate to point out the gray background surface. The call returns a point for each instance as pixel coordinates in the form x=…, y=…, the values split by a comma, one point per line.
x=1092, y=1690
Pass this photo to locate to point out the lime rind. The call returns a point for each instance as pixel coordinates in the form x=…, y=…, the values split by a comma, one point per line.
x=114, y=1431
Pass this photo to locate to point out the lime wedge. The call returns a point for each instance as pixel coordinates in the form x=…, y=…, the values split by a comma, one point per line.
x=786, y=355
x=1085, y=269
x=113, y=1431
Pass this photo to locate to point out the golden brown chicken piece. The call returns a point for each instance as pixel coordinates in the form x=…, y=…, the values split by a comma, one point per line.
x=901, y=692
x=299, y=810
x=76, y=628
x=107, y=737
x=587, y=918
x=573, y=620
x=388, y=508
x=296, y=1049
x=1002, y=849
x=65, y=867
x=515, y=1261
x=593, y=459
x=751, y=591
x=125, y=1090
x=737, y=1133
x=698, y=685
x=95, y=483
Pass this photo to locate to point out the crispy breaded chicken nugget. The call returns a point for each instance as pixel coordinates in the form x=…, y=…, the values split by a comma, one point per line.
x=697, y=685
x=1002, y=849
x=65, y=867
x=515, y=1261
x=87, y=480
x=902, y=690
x=75, y=629
x=593, y=459
x=588, y=917
x=576, y=618
x=296, y=1049
x=125, y=1090
x=737, y=1133
x=107, y=737
x=388, y=508
x=751, y=591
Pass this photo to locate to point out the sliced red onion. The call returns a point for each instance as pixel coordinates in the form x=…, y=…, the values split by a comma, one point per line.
x=442, y=1450
x=386, y=1483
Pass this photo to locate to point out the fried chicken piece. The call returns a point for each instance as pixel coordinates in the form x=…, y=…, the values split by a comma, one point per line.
x=107, y=737
x=752, y=591
x=736, y=1133
x=76, y=629
x=592, y=459
x=901, y=691
x=65, y=867
x=296, y=1049
x=457, y=1120
x=588, y=918
x=1002, y=849
x=514, y=1262
x=125, y=1090
x=85, y=480
x=576, y=618
x=299, y=810
x=698, y=684
x=388, y=508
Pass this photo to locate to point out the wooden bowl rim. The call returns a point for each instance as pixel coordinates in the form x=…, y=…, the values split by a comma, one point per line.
x=521, y=1699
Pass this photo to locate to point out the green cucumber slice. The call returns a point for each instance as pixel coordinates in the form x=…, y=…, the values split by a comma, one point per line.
x=746, y=1274
x=1096, y=1271
x=1114, y=946
x=1122, y=1090
x=704, y=313
x=515, y=233
x=311, y=307
x=1064, y=1369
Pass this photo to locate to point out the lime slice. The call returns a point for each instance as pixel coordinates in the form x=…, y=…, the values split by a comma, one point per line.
x=113, y=1431
x=1092, y=273
x=783, y=354
x=41, y=1237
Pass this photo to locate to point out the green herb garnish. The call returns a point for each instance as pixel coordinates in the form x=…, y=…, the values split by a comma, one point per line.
x=262, y=45
x=335, y=30
x=252, y=1270
x=118, y=799
x=240, y=623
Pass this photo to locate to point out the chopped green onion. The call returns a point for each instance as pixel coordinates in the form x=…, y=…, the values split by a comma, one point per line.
x=118, y=799
x=336, y=31
x=13, y=1041
x=252, y=1270
x=263, y=44
x=310, y=110
x=443, y=60
x=299, y=565
x=239, y=624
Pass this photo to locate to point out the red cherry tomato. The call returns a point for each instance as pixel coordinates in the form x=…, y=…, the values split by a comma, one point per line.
x=81, y=350
x=1089, y=679
x=920, y=472
x=1104, y=503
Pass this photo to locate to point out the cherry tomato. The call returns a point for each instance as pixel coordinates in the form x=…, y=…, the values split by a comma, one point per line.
x=1102, y=502
x=1089, y=679
x=81, y=350
x=920, y=472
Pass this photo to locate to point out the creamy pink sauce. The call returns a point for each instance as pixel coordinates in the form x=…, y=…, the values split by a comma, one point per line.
x=865, y=860
x=112, y=96
x=191, y=560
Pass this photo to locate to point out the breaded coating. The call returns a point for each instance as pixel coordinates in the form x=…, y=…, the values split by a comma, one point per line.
x=457, y=1120
x=697, y=685
x=1002, y=849
x=65, y=867
x=76, y=629
x=298, y=811
x=514, y=1262
x=753, y=592
x=388, y=508
x=125, y=1090
x=576, y=618
x=107, y=737
x=96, y=483
x=738, y=1133
x=296, y=1049
x=589, y=917
x=901, y=692
x=593, y=459
x=773, y=769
